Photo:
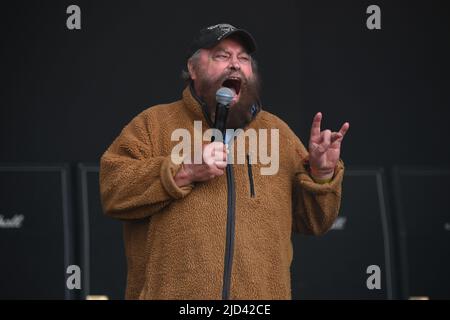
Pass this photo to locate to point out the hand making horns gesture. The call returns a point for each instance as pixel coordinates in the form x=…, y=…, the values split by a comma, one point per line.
x=324, y=148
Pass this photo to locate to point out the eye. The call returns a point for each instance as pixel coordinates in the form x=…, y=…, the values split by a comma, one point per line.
x=221, y=56
x=244, y=58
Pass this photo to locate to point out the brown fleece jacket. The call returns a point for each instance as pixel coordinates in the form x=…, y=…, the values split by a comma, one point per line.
x=175, y=237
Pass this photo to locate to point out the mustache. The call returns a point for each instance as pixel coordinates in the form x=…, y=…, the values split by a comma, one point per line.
x=240, y=114
x=232, y=73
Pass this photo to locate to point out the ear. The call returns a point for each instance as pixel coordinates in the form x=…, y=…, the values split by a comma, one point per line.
x=191, y=69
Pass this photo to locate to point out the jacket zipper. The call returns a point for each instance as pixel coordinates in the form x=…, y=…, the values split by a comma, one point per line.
x=250, y=177
x=229, y=244
x=231, y=200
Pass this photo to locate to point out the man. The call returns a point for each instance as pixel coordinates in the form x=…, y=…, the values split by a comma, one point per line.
x=214, y=229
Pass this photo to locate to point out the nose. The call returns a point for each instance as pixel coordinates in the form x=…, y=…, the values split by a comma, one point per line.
x=234, y=63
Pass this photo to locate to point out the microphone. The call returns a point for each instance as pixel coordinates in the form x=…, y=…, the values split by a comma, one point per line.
x=224, y=96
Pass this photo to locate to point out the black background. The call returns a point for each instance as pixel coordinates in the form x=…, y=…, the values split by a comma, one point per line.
x=66, y=94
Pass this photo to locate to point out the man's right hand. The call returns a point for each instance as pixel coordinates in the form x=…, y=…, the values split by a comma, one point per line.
x=214, y=156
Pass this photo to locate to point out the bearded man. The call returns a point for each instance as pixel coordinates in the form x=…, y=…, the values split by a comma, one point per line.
x=214, y=229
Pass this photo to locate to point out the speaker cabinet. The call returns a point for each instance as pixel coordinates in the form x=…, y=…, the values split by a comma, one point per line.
x=339, y=264
x=102, y=248
x=35, y=232
x=422, y=201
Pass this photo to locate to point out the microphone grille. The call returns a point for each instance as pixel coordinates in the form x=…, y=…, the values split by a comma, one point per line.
x=224, y=96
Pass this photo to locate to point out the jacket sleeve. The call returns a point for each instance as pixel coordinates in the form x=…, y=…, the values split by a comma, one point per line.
x=134, y=182
x=315, y=205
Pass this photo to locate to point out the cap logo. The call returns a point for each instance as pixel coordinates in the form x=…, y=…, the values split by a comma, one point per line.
x=224, y=28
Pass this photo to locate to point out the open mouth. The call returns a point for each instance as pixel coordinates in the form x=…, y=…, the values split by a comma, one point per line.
x=233, y=83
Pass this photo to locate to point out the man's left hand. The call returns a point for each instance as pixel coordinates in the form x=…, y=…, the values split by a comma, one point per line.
x=324, y=149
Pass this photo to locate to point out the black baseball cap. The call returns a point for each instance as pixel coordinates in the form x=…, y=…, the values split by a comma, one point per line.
x=212, y=35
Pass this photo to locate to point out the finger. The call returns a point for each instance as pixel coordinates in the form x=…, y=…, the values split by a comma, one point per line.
x=217, y=145
x=212, y=169
x=220, y=164
x=335, y=136
x=207, y=152
x=315, y=128
x=216, y=171
x=344, y=129
x=213, y=147
x=209, y=160
x=220, y=156
x=219, y=151
x=214, y=151
x=209, y=157
x=326, y=141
